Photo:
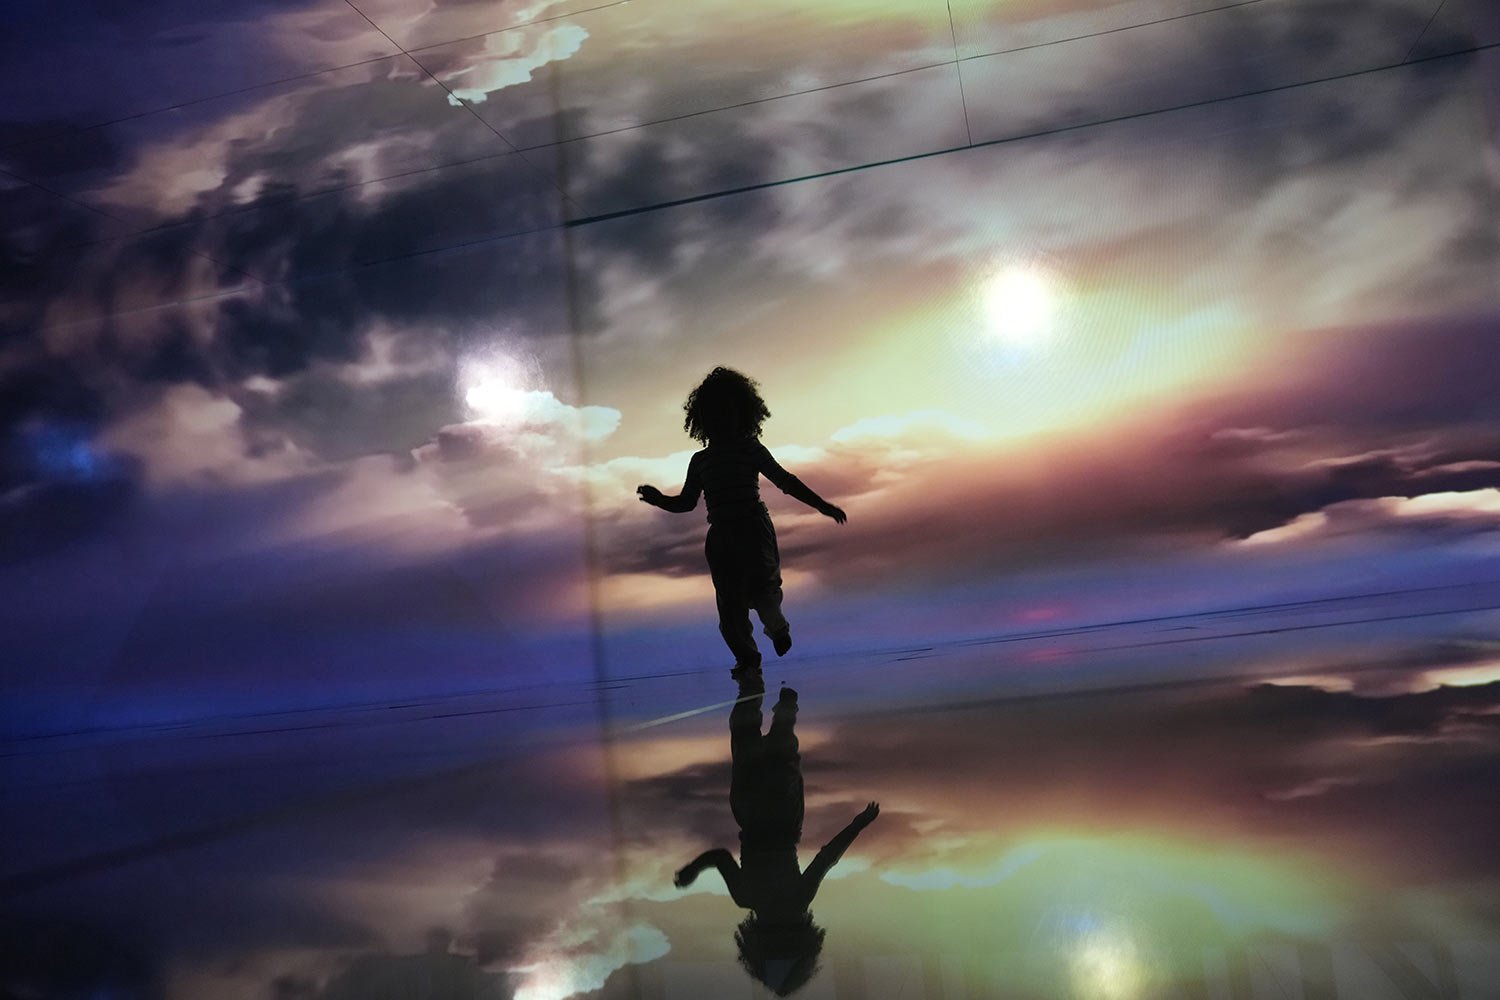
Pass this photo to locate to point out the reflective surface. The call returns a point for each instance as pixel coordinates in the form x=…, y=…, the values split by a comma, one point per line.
x=1149, y=346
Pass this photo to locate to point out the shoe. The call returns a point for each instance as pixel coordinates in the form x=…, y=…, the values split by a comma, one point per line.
x=788, y=697
x=782, y=640
x=751, y=683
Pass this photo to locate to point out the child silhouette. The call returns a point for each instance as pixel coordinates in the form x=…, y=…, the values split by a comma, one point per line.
x=779, y=943
x=725, y=414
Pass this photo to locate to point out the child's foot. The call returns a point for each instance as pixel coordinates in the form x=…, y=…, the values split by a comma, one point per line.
x=782, y=640
x=788, y=697
x=751, y=682
x=745, y=668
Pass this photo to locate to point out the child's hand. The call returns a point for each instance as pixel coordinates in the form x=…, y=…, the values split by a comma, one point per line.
x=649, y=494
x=870, y=812
x=837, y=513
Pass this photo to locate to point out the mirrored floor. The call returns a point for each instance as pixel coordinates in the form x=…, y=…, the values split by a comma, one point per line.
x=1294, y=811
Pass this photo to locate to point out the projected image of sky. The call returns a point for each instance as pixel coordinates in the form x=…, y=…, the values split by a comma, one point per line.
x=336, y=338
x=1075, y=314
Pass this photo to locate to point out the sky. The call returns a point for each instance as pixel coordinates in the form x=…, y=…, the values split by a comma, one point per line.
x=327, y=375
x=353, y=324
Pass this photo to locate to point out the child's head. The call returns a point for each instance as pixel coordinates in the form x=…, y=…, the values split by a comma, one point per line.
x=725, y=405
x=783, y=956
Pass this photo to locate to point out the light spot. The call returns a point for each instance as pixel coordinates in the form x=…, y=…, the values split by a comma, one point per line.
x=495, y=388
x=1106, y=965
x=1020, y=304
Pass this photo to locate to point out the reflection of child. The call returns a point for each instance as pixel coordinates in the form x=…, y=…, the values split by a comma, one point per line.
x=779, y=943
x=725, y=413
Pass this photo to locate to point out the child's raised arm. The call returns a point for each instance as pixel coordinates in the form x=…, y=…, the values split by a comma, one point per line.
x=835, y=848
x=683, y=502
x=797, y=489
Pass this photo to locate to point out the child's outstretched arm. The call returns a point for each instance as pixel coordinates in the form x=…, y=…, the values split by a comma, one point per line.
x=683, y=502
x=717, y=858
x=835, y=848
x=798, y=490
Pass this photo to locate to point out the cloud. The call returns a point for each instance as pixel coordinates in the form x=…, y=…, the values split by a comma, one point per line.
x=58, y=485
x=193, y=436
x=505, y=59
x=53, y=957
x=1431, y=516
x=521, y=467
x=264, y=156
x=581, y=959
x=930, y=496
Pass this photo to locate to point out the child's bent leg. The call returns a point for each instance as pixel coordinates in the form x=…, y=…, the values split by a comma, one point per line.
x=766, y=598
x=781, y=738
x=771, y=618
x=734, y=626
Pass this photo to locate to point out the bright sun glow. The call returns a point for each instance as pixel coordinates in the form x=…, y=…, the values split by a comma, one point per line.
x=1020, y=306
x=494, y=388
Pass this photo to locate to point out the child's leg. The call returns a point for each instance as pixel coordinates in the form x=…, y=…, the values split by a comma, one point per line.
x=726, y=565
x=747, y=758
x=766, y=595
x=744, y=730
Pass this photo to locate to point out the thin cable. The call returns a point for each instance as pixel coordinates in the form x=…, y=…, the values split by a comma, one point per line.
x=956, y=62
x=1436, y=10
x=765, y=185
x=602, y=132
x=883, y=76
x=958, y=68
x=248, y=88
x=1039, y=133
x=1112, y=31
x=113, y=218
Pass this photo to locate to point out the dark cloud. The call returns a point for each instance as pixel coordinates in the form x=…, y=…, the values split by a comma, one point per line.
x=436, y=306
x=315, y=248
x=337, y=419
x=42, y=389
x=694, y=799
x=39, y=518
x=57, y=487
x=118, y=61
x=38, y=233
x=52, y=958
x=434, y=972
x=48, y=148
x=1397, y=378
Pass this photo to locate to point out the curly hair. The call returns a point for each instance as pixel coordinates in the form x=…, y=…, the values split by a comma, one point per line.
x=726, y=404
x=783, y=957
